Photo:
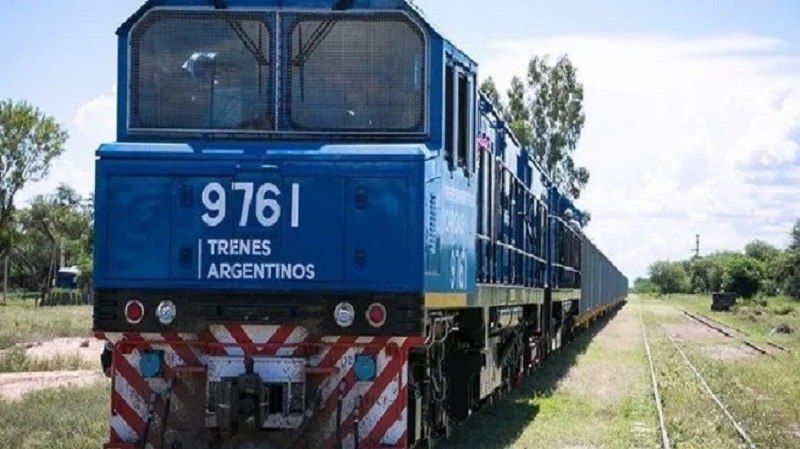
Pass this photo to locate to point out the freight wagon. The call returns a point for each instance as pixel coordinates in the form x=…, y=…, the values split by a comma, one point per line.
x=313, y=231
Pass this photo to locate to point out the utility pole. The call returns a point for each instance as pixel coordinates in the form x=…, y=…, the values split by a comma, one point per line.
x=63, y=258
x=696, y=248
x=5, y=277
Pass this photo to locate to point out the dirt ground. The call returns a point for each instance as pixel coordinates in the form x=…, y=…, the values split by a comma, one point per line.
x=88, y=349
x=713, y=343
x=605, y=372
x=14, y=385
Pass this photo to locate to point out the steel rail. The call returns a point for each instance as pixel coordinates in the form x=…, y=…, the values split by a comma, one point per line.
x=739, y=429
x=665, y=444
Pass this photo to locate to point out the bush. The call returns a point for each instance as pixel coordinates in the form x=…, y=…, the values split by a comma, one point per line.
x=644, y=286
x=742, y=275
x=670, y=277
x=64, y=297
x=789, y=270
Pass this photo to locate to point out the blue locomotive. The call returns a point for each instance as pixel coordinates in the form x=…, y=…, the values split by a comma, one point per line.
x=312, y=230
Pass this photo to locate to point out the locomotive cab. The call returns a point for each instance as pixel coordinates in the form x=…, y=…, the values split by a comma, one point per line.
x=278, y=147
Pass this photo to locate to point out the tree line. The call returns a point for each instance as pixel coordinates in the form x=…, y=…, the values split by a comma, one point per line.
x=759, y=268
x=56, y=227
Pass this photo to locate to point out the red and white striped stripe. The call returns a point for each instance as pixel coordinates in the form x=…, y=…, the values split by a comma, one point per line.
x=383, y=410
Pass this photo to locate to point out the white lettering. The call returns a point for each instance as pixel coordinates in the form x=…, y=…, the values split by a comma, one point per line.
x=249, y=270
x=262, y=203
x=295, y=205
x=458, y=268
x=217, y=206
x=458, y=196
x=247, y=188
x=454, y=222
x=266, y=206
x=239, y=247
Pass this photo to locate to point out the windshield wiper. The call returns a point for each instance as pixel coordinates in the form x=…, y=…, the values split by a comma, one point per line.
x=319, y=35
x=244, y=38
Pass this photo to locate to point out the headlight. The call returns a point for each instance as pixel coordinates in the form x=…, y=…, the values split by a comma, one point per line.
x=166, y=311
x=344, y=314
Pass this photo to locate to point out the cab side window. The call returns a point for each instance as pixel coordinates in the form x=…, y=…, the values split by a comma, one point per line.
x=460, y=116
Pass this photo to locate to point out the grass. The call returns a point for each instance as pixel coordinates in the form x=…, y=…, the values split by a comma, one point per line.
x=559, y=405
x=38, y=421
x=15, y=360
x=21, y=322
x=756, y=317
x=693, y=421
x=760, y=392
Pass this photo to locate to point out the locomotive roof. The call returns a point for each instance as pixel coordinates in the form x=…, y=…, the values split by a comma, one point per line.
x=407, y=5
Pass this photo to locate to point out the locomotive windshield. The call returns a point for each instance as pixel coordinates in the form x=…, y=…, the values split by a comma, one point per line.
x=193, y=70
x=207, y=71
x=356, y=73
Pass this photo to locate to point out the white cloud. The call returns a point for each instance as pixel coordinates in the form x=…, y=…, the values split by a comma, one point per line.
x=683, y=136
x=97, y=117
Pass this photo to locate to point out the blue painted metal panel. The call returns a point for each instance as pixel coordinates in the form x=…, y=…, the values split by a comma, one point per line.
x=377, y=230
x=282, y=225
x=137, y=206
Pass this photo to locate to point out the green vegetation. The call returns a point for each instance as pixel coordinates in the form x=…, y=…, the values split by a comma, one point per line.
x=55, y=227
x=594, y=392
x=29, y=142
x=15, y=360
x=755, y=388
x=59, y=218
x=22, y=321
x=38, y=420
x=760, y=269
x=692, y=418
x=758, y=318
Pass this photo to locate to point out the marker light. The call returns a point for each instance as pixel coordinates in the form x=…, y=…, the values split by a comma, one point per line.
x=134, y=312
x=166, y=311
x=344, y=314
x=376, y=315
x=365, y=367
x=150, y=363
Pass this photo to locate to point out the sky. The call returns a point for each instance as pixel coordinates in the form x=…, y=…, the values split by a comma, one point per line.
x=692, y=107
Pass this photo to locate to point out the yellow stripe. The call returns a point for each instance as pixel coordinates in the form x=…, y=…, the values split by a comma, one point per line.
x=586, y=317
x=445, y=300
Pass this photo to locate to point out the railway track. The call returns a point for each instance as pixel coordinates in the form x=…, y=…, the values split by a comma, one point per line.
x=664, y=435
x=662, y=426
x=730, y=332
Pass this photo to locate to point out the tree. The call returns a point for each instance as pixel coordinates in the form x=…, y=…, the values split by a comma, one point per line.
x=670, y=277
x=794, y=236
x=761, y=251
x=59, y=217
x=789, y=277
x=545, y=113
x=489, y=88
x=769, y=256
x=556, y=120
x=29, y=142
x=743, y=275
